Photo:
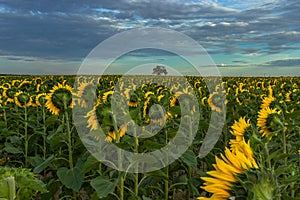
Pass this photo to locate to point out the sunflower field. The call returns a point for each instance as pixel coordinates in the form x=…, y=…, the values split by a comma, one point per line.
x=43, y=156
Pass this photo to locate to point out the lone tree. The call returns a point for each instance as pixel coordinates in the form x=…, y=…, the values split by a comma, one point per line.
x=159, y=70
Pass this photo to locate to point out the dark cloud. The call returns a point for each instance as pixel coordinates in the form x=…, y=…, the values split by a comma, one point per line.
x=284, y=63
x=63, y=29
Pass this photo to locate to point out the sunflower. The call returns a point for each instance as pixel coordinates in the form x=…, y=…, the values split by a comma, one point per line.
x=15, y=83
x=160, y=97
x=2, y=89
x=148, y=93
x=93, y=121
x=133, y=101
x=85, y=93
x=106, y=96
x=241, y=96
x=6, y=85
x=25, y=85
x=293, y=96
x=215, y=101
x=266, y=119
x=40, y=99
x=238, y=129
x=223, y=178
x=267, y=101
x=59, y=98
x=112, y=133
x=146, y=107
x=22, y=99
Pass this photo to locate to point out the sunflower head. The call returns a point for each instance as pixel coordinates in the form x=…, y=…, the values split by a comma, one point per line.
x=293, y=96
x=59, y=99
x=40, y=99
x=16, y=83
x=238, y=130
x=268, y=101
x=133, y=101
x=6, y=85
x=86, y=94
x=9, y=93
x=22, y=99
x=221, y=180
x=107, y=96
x=25, y=85
x=38, y=81
x=216, y=101
x=269, y=120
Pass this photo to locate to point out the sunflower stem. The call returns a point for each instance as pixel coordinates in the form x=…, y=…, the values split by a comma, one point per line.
x=119, y=158
x=4, y=116
x=44, y=136
x=26, y=137
x=269, y=165
x=136, y=175
x=167, y=172
x=69, y=142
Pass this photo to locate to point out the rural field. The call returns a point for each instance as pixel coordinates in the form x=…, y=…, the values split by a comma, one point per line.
x=46, y=154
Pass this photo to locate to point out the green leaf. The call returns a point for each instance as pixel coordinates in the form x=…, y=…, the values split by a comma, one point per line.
x=89, y=164
x=158, y=174
x=35, y=160
x=146, y=198
x=103, y=186
x=272, y=155
x=189, y=158
x=193, y=187
x=293, y=178
x=4, y=189
x=9, y=148
x=71, y=178
x=44, y=164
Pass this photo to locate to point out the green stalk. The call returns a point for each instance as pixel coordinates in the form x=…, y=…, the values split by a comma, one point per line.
x=119, y=158
x=12, y=187
x=136, y=175
x=269, y=165
x=189, y=177
x=167, y=172
x=70, y=149
x=44, y=136
x=5, y=118
x=284, y=145
x=26, y=137
x=69, y=139
x=189, y=167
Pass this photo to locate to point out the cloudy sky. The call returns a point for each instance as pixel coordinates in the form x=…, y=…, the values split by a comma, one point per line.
x=245, y=37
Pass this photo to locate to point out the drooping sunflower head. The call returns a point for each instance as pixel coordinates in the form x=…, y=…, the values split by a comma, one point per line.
x=268, y=101
x=107, y=95
x=216, y=101
x=59, y=98
x=112, y=134
x=238, y=129
x=95, y=116
x=86, y=94
x=2, y=89
x=16, y=83
x=149, y=93
x=293, y=96
x=22, y=99
x=40, y=99
x=133, y=101
x=38, y=81
x=221, y=180
x=25, y=85
x=268, y=121
x=242, y=96
x=6, y=85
